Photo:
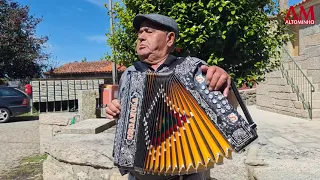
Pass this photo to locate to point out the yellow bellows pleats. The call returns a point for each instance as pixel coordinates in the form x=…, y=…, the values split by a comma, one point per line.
x=196, y=146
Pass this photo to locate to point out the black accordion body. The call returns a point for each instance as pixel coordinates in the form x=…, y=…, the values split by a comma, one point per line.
x=171, y=124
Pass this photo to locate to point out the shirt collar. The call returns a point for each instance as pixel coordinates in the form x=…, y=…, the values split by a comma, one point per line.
x=167, y=63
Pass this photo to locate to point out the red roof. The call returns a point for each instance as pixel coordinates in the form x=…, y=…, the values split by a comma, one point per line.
x=302, y=2
x=86, y=67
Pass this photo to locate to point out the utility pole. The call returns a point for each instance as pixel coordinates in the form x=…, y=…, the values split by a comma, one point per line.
x=114, y=65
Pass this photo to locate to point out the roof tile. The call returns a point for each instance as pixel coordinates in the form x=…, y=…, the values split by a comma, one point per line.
x=87, y=67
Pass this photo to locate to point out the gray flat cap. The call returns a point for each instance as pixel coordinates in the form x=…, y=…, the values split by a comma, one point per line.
x=162, y=20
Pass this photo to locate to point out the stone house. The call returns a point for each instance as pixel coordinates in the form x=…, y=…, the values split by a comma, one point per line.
x=295, y=88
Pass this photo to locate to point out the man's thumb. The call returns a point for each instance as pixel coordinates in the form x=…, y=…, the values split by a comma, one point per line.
x=204, y=68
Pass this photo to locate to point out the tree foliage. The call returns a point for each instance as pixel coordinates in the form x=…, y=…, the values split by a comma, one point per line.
x=21, y=52
x=238, y=35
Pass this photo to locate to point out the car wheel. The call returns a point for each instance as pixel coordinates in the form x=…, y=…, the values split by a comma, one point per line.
x=4, y=115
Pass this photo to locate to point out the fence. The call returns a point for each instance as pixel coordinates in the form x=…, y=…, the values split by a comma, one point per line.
x=61, y=95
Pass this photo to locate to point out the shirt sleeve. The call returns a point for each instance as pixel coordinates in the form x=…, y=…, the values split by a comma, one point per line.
x=122, y=82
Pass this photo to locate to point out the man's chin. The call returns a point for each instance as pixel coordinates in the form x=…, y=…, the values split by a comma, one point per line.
x=143, y=56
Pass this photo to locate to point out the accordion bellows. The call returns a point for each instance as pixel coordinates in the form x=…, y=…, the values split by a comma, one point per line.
x=170, y=124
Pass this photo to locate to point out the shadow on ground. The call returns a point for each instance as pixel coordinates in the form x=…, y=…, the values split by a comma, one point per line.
x=24, y=118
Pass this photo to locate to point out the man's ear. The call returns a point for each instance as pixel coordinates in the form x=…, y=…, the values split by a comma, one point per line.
x=170, y=39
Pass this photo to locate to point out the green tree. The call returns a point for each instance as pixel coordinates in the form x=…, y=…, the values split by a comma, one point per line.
x=21, y=52
x=84, y=59
x=238, y=36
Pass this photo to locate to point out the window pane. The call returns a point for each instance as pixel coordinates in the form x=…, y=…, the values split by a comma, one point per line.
x=9, y=92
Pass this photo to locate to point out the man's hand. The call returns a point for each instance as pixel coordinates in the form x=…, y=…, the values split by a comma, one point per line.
x=217, y=78
x=113, y=109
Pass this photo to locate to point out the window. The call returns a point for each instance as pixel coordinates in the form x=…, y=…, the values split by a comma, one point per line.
x=9, y=92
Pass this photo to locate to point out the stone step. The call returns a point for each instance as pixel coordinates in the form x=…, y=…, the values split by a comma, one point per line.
x=300, y=80
x=291, y=65
x=316, y=95
x=277, y=81
x=305, y=114
x=316, y=104
x=315, y=73
x=89, y=126
x=276, y=74
x=297, y=72
x=283, y=95
x=289, y=109
x=307, y=87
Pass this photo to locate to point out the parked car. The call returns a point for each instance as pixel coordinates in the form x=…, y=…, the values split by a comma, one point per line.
x=13, y=102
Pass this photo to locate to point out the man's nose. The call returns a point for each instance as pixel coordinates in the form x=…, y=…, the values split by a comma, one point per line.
x=141, y=36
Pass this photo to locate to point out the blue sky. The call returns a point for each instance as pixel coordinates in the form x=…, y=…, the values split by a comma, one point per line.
x=76, y=28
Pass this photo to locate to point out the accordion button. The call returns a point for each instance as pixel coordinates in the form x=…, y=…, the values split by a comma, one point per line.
x=206, y=91
x=228, y=107
x=214, y=101
x=210, y=96
x=215, y=93
x=224, y=102
x=220, y=97
x=223, y=111
x=218, y=106
x=203, y=87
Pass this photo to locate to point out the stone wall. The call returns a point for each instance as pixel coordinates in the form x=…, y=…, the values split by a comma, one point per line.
x=81, y=156
x=248, y=96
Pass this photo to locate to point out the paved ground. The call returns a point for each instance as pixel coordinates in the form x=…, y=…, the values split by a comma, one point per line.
x=288, y=147
x=18, y=139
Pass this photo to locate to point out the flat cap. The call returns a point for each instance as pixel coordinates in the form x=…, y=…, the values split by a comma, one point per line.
x=159, y=19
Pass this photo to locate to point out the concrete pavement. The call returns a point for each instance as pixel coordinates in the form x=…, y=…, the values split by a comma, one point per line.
x=18, y=139
x=287, y=148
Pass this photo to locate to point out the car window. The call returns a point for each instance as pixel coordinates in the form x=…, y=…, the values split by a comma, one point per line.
x=9, y=92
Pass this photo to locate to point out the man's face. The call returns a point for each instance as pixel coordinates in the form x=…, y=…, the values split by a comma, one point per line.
x=152, y=42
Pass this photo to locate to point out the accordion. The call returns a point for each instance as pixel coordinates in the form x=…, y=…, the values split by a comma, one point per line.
x=171, y=124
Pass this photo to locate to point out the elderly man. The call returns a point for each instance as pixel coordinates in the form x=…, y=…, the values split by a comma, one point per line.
x=155, y=43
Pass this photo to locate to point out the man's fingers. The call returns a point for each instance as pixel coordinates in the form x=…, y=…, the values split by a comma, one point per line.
x=204, y=68
x=116, y=103
x=114, y=109
x=210, y=73
x=227, y=89
x=213, y=81
x=109, y=117
x=110, y=112
x=221, y=82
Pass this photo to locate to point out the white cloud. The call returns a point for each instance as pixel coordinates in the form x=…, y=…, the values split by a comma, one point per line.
x=100, y=3
x=80, y=9
x=98, y=39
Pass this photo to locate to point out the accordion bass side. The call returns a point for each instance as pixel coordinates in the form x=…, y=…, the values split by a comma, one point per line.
x=171, y=124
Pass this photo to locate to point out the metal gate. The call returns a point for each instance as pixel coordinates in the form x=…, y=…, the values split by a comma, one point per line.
x=61, y=95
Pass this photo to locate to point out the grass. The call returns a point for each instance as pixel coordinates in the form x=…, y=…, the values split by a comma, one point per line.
x=29, y=114
x=29, y=168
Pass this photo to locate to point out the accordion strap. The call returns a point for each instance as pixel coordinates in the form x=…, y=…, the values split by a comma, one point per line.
x=140, y=66
x=242, y=105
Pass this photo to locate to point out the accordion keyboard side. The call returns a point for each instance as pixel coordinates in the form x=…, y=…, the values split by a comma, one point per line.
x=128, y=125
x=226, y=118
